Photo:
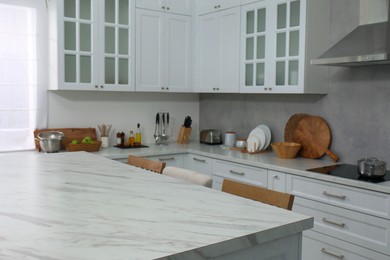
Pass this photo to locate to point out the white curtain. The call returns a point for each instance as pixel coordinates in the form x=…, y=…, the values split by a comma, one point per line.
x=23, y=72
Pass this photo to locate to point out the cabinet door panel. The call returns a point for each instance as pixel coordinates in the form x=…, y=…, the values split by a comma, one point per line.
x=229, y=50
x=178, y=52
x=179, y=6
x=207, y=53
x=150, y=4
x=149, y=50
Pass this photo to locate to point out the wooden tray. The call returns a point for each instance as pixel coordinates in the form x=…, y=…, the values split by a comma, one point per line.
x=70, y=134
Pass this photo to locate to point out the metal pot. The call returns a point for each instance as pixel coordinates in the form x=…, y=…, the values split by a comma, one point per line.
x=50, y=141
x=371, y=168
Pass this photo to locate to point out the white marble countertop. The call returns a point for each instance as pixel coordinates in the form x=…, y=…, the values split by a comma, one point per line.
x=82, y=206
x=268, y=160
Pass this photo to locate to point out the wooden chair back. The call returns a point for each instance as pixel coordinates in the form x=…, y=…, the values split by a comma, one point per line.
x=275, y=198
x=147, y=164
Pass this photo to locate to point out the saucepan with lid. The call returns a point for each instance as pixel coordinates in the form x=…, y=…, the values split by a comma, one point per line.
x=371, y=168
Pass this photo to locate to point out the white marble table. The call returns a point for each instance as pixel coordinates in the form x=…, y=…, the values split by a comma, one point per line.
x=82, y=206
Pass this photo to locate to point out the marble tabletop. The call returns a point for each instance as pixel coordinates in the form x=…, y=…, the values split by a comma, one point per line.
x=83, y=206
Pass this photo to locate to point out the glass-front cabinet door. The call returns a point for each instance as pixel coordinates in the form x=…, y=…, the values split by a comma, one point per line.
x=255, y=52
x=272, y=46
x=289, y=37
x=79, y=44
x=116, y=45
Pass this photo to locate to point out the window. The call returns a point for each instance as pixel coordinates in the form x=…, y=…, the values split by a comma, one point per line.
x=23, y=72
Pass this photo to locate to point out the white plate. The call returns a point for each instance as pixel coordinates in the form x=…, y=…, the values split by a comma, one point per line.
x=261, y=135
x=253, y=143
x=267, y=132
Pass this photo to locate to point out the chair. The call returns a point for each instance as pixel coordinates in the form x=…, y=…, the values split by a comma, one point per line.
x=146, y=164
x=275, y=198
x=188, y=175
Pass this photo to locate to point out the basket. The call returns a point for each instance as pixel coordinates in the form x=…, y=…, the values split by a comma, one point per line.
x=286, y=150
x=93, y=147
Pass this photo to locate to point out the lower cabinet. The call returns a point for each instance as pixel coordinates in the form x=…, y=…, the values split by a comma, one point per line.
x=239, y=172
x=176, y=160
x=199, y=163
x=345, y=219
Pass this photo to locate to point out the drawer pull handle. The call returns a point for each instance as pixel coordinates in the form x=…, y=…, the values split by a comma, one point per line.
x=323, y=250
x=275, y=176
x=342, y=197
x=166, y=159
x=237, y=173
x=199, y=160
x=333, y=222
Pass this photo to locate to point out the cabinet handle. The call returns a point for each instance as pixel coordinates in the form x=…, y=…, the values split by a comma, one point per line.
x=96, y=86
x=163, y=7
x=218, y=6
x=162, y=88
x=333, y=222
x=166, y=159
x=167, y=88
x=237, y=173
x=199, y=160
x=215, y=7
x=168, y=8
x=101, y=86
x=270, y=89
x=342, y=197
x=265, y=89
x=323, y=250
x=275, y=176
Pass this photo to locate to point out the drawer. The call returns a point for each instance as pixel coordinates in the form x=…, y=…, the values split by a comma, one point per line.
x=199, y=163
x=240, y=172
x=357, y=228
x=370, y=202
x=175, y=160
x=321, y=247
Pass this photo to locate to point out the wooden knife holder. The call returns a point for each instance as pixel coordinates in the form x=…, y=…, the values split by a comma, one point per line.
x=184, y=135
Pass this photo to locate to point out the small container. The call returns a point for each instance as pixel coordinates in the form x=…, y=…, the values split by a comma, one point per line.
x=131, y=139
x=138, y=137
x=105, y=142
x=120, y=139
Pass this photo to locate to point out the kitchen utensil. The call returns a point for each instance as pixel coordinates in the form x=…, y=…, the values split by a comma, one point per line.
x=286, y=150
x=230, y=139
x=313, y=132
x=210, y=136
x=160, y=132
x=187, y=122
x=156, y=127
x=371, y=168
x=50, y=142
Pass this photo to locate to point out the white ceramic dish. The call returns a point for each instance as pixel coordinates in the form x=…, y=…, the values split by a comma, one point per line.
x=267, y=132
x=253, y=143
x=261, y=135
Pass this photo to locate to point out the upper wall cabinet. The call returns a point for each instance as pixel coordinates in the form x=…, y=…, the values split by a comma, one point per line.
x=91, y=45
x=278, y=39
x=217, y=51
x=163, y=44
x=209, y=6
x=170, y=6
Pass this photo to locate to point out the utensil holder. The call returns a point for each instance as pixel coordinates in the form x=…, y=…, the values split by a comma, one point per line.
x=184, y=135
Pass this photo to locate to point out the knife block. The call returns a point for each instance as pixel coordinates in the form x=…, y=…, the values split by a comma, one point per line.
x=184, y=135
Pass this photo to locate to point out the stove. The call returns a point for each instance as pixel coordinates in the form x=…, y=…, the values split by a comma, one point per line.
x=348, y=171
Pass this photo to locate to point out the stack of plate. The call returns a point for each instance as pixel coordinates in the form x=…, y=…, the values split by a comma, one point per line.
x=259, y=139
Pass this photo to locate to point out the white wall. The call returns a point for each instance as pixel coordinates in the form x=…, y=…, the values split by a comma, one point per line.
x=123, y=110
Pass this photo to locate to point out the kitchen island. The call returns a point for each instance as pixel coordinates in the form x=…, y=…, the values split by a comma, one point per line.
x=82, y=206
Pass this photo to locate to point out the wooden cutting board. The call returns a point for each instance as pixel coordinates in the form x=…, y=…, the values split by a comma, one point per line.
x=313, y=132
x=70, y=134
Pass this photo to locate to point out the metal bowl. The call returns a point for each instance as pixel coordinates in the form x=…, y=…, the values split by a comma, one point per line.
x=50, y=142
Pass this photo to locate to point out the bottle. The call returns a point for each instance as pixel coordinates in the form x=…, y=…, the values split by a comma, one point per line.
x=131, y=139
x=138, y=135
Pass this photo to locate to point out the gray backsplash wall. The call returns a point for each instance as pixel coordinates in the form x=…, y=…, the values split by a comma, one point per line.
x=356, y=107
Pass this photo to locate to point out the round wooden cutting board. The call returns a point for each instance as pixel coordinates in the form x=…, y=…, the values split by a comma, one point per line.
x=313, y=132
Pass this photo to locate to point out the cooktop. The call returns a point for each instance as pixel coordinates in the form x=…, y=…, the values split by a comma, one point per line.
x=348, y=171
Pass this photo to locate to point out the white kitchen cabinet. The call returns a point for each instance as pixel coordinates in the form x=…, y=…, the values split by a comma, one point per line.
x=208, y=6
x=176, y=160
x=91, y=45
x=278, y=39
x=199, y=163
x=217, y=51
x=276, y=181
x=355, y=216
x=239, y=172
x=171, y=6
x=163, y=51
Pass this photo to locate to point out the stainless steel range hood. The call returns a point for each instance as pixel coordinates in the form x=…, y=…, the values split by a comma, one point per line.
x=368, y=44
